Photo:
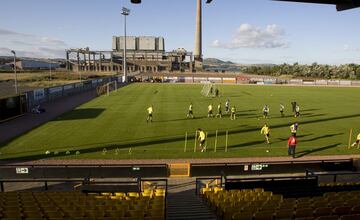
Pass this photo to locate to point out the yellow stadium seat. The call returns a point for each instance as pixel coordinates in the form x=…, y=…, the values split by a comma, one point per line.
x=305, y=218
x=33, y=214
x=322, y=211
x=355, y=209
x=342, y=210
x=304, y=212
x=350, y=217
x=242, y=216
x=133, y=194
x=259, y=190
x=217, y=189
x=284, y=213
x=330, y=217
x=106, y=194
x=134, y=213
x=40, y=218
x=114, y=213
x=320, y=204
x=303, y=205
x=264, y=215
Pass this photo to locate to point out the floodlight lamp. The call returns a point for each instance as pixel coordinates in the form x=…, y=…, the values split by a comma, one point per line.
x=125, y=11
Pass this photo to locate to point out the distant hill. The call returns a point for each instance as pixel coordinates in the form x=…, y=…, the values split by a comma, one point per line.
x=214, y=64
x=212, y=61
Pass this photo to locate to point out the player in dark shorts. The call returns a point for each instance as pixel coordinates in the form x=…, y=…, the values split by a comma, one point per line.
x=190, y=112
x=227, y=106
x=266, y=111
x=282, y=107
x=219, y=114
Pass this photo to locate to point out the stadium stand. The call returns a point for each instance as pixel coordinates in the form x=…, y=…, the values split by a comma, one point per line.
x=149, y=204
x=258, y=204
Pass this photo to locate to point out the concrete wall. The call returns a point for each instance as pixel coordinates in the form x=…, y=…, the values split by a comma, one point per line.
x=145, y=43
x=44, y=95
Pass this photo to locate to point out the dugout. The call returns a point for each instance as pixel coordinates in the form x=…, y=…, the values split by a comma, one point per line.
x=12, y=107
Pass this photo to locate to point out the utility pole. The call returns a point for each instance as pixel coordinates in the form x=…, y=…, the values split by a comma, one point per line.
x=16, y=87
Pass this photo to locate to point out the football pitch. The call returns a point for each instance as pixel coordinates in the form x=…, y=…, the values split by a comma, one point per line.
x=115, y=127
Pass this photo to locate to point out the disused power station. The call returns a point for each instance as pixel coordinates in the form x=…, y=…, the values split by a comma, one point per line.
x=143, y=54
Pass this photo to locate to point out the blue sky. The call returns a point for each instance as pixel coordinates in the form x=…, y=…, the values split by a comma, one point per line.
x=244, y=31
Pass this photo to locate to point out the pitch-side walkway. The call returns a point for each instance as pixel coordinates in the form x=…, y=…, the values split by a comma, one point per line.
x=177, y=161
x=13, y=128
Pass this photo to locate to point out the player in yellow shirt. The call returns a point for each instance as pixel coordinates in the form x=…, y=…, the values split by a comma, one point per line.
x=202, y=139
x=265, y=130
x=357, y=142
x=210, y=111
x=219, y=114
x=233, y=113
x=150, y=111
x=293, y=128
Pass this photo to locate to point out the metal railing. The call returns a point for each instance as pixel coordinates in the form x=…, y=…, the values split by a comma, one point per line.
x=199, y=182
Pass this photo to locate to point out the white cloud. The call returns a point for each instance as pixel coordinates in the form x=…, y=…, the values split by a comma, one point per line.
x=10, y=32
x=249, y=36
x=55, y=42
x=349, y=48
x=31, y=45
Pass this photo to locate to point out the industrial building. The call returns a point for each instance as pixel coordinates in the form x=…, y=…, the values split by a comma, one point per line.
x=144, y=54
x=28, y=64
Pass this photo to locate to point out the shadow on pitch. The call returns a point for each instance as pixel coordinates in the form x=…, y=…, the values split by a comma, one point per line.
x=298, y=136
x=307, y=152
x=321, y=137
x=310, y=110
x=251, y=143
x=183, y=119
x=83, y=113
x=98, y=147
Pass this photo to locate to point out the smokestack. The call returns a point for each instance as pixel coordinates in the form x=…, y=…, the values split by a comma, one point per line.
x=198, y=36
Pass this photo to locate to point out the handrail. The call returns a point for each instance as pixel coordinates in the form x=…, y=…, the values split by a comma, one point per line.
x=198, y=181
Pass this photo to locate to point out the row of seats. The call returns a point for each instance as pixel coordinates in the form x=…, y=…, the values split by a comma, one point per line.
x=149, y=204
x=259, y=204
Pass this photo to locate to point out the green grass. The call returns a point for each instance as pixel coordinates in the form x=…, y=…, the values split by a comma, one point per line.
x=118, y=123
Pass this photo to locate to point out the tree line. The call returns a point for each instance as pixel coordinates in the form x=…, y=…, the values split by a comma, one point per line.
x=315, y=70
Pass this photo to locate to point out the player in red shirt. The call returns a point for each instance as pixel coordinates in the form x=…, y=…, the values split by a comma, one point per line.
x=292, y=145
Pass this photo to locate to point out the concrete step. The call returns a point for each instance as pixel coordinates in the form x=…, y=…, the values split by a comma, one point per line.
x=183, y=204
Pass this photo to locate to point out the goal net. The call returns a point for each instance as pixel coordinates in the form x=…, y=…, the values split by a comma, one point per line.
x=107, y=88
x=208, y=89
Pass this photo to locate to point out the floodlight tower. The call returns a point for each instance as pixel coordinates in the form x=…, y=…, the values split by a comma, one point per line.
x=125, y=12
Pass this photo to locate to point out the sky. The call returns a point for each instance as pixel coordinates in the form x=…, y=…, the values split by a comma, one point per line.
x=242, y=31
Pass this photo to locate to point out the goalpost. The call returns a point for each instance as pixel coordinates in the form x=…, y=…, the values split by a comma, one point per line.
x=106, y=88
x=208, y=89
